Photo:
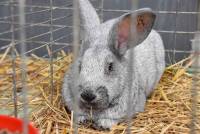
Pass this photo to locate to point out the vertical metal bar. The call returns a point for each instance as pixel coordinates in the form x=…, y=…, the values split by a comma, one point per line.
x=195, y=91
x=134, y=4
x=175, y=35
x=101, y=10
x=51, y=51
x=76, y=38
x=198, y=15
x=23, y=64
x=13, y=58
x=31, y=22
x=195, y=84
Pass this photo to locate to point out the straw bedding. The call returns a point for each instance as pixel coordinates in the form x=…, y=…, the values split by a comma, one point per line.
x=167, y=111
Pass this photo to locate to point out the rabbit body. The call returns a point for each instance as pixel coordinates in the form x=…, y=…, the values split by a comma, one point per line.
x=102, y=91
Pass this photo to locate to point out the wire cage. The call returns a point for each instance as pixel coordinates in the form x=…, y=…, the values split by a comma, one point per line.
x=36, y=45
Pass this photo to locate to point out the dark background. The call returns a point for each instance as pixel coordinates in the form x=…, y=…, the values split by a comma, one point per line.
x=176, y=23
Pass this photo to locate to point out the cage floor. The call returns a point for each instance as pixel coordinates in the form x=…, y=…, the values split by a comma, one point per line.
x=168, y=110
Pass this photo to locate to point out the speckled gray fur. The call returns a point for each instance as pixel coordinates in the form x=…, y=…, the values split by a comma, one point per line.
x=111, y=103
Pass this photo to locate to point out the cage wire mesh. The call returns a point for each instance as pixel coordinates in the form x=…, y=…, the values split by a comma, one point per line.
x=36, y=40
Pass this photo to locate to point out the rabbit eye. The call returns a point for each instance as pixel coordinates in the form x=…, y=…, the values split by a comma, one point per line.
x=110, y=67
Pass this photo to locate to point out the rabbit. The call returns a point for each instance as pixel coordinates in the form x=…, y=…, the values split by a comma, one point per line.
x=102, y=91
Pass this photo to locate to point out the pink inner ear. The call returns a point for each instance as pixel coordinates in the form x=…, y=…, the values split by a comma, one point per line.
x=123, y=32
x=122, y=39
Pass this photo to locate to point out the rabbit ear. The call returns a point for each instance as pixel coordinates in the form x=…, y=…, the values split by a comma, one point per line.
x=130, y=30
x=88, y=15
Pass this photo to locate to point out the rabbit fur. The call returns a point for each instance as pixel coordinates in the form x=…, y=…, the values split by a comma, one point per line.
x=101, y=90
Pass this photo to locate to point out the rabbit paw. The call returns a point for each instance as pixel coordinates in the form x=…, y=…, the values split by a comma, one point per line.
x=104, y=124
x=82, y=119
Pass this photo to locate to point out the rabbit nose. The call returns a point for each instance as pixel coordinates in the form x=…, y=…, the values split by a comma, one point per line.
x=88, y=96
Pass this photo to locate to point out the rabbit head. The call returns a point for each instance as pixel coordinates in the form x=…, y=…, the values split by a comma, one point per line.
x=102, y=65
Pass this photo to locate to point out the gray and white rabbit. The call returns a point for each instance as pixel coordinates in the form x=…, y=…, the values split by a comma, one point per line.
x=101, y=86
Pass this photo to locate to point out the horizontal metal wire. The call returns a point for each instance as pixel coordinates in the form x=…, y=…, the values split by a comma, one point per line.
x=178, y=32
x=40, y=35
x=178, y=51
x=45, y=43
x=63, y=7
x=33, y=12
x=30, y=39
x=35, y=42
x=41, y=6
x=159, y=12
x=8, y=2
x=105, y=10
x=62, y=37
x=30, y=13
x=34, y=24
